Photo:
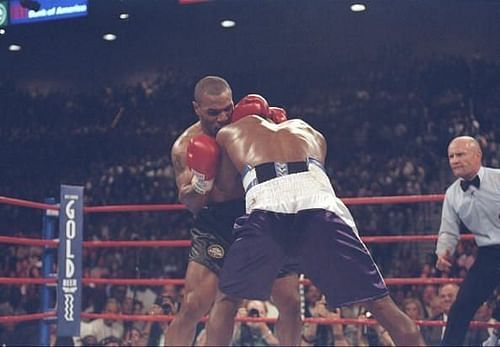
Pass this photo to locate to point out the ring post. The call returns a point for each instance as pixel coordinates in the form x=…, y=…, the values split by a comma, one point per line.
x=48, y=233
x=69, y=284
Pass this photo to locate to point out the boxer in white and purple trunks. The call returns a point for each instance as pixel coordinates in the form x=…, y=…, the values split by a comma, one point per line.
x=292, y=212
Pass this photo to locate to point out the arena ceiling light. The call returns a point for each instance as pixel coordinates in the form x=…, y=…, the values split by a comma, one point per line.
x=2, y=31
x=14, y=47
x=124, y=16
x=109, y=37
x=227, y=23
x=358, y=7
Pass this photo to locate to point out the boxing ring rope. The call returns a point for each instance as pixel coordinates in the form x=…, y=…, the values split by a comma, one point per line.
x=322, y=321
x=169, y=318
x=187, y=243
x=394, y=281
x=26, y=317
x=54, y=208
x=374, y=200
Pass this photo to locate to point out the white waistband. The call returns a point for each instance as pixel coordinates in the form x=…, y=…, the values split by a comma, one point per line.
x=293, y=193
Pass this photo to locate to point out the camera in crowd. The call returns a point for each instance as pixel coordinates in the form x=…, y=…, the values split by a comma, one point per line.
x=250, y=333
x=253, y=312
x=167, y=304
x=366, y=330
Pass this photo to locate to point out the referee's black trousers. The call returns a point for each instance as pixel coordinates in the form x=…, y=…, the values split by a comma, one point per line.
x=482, y=278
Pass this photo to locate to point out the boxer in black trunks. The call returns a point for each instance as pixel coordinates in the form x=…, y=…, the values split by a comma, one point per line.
x=215, y=211
x=292, y=210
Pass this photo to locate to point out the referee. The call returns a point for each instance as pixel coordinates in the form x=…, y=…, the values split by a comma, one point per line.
x=474, y=200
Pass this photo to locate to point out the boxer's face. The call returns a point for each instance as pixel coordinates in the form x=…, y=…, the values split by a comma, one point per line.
x=214, y=111
x=464, y=158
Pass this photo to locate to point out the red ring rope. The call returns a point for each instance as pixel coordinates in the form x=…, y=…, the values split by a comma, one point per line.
x=396, y=281
x=26, y=317
x=26, y=203
x=187, y=243
x=168, y=318
x=374, y=200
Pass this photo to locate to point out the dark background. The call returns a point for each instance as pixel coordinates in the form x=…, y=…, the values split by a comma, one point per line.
x=271, y=37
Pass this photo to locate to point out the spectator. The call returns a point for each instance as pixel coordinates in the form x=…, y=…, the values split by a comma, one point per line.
x=134, y=338
x=323, y=335
x=102, y=328
x=131, y=307
x=436, y=307
x=111, y=341
x=374, y=335
x=494, y=334
x=413, y=309
x=447, y=295
x=89, y=341
x=172, y=291
x=253, y=333
x=144, y=294
x=428, y=294
x=154, y=332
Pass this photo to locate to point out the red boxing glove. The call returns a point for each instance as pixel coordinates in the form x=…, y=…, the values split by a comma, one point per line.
x=203, y=156
x=277, y=114
x=249, y=105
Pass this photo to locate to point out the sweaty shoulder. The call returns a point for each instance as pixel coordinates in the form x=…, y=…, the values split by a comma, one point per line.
x=297, y=124
x=182, y=141
x=233, y=130
x=302, y=126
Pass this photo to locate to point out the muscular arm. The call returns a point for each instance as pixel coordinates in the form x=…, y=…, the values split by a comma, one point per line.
x=183, y=176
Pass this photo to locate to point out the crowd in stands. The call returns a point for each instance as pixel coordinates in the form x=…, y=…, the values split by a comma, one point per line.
x=387, y=124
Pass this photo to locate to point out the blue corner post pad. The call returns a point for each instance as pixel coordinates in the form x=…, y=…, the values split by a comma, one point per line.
x=69, y=284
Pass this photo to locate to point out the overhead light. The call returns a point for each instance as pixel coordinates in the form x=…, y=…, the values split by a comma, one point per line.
x=109, y=37
x=228, y=23
x=14, y=48
x=2, y=31
x=358, y=7
x=124, y=16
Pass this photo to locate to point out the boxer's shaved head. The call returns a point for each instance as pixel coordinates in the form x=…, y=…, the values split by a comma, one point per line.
x=210, y=85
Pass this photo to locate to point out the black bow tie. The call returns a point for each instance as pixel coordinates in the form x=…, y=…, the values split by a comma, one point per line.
x=466, y=184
